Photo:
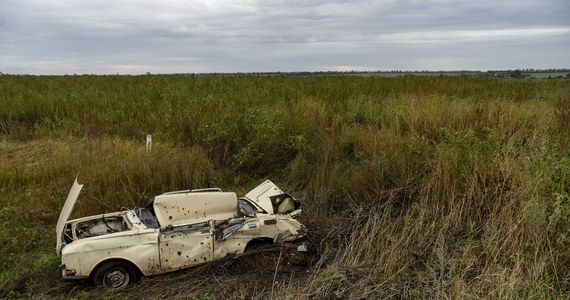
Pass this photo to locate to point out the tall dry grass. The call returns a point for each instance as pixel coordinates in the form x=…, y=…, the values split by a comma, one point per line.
x=453, y=187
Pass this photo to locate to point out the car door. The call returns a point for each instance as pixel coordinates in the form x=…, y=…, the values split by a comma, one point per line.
x=185, y=246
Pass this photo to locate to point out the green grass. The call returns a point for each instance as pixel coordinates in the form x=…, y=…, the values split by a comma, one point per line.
x=459, y=186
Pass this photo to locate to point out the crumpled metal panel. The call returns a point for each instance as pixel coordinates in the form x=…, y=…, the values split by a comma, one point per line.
x=185, y=248
x=190, y=208
x=261, y=193
x=255, y=228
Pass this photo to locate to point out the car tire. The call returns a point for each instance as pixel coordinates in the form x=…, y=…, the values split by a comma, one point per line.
x=115, y=274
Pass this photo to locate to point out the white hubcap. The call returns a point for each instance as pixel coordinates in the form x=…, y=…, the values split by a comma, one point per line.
x=116, y=278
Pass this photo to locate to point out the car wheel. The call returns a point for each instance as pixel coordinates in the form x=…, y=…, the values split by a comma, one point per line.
x=114, y=275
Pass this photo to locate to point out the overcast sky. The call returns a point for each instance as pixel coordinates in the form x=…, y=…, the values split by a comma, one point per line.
x=187, y=36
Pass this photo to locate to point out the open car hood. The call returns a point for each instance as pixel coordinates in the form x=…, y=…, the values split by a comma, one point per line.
x=268, y=195
x=66, y=212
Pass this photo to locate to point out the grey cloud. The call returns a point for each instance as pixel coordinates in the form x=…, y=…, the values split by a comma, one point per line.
x=95, y=36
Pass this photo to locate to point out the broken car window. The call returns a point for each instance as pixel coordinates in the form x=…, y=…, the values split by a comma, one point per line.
x=245, y=209
x=147, y=217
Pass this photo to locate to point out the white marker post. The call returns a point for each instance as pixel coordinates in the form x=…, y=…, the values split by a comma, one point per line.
x=148, y=143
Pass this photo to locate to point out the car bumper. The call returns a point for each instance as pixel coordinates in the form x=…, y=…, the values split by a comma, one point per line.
x=74, y=278
x=70, y=275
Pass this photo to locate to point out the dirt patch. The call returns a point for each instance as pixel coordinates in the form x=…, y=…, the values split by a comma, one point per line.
x=260, y=271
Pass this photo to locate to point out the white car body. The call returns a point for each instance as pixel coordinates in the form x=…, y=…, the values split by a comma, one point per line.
x=180, y=230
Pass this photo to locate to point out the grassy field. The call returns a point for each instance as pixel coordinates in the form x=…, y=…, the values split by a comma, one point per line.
x=417, y=187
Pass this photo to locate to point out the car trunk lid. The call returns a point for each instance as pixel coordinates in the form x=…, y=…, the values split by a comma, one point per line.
x=273, y=200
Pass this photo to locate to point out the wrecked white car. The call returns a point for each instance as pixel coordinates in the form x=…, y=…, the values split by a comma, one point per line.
x=175, y=230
